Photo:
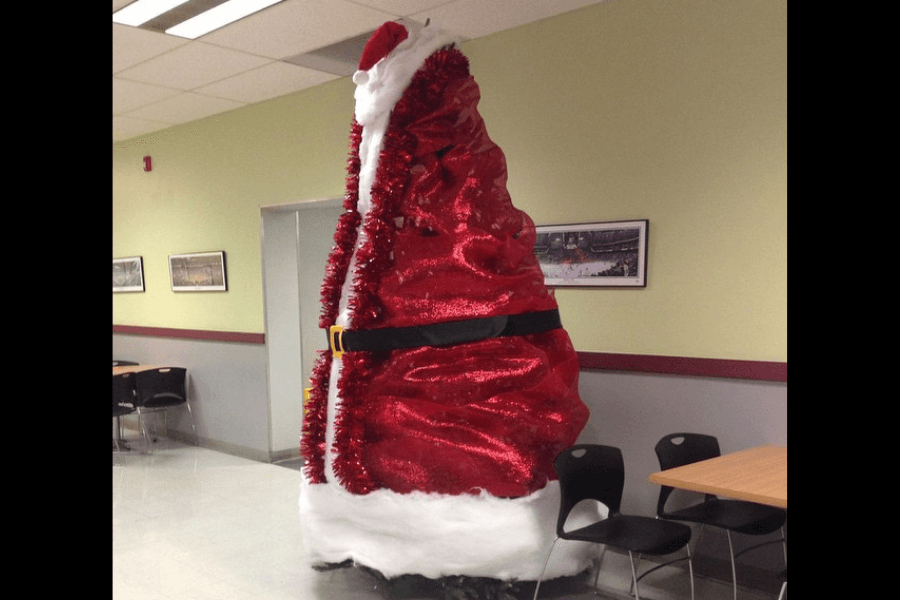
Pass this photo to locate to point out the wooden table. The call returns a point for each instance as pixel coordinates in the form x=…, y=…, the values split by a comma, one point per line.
x=136, y=368
x=756, y=474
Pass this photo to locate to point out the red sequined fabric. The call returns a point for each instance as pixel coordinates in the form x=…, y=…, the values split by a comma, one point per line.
x=443, y=243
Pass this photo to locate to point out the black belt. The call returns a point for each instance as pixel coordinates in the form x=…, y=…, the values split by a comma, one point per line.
x=341, y=340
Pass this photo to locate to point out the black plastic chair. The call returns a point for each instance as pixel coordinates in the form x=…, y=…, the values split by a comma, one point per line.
x=750, y=518
x=123, y=401
x=160, y=389
x=596, y=472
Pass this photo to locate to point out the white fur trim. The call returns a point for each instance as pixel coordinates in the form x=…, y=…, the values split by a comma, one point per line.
x=378, y=90
x=438, y=535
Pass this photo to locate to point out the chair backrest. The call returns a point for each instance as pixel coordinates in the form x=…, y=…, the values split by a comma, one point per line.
x=163, y=386
x=123, y=388
x=679, y=449
x=589, y=472
x=123, y=363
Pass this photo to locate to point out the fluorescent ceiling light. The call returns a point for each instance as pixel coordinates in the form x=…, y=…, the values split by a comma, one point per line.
x=142, y=11
x=218, y=16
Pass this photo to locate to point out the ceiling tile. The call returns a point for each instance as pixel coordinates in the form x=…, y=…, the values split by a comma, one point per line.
x=129, y=127
x=185, y=107
x=161, y=80
x=477, y=18
x=190, y=66
x=269, y=81
x=129, y=95
x=132, y=46
x=297, y=26
x=404, y=8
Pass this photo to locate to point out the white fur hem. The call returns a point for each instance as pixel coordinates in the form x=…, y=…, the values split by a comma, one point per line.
x=438, y=535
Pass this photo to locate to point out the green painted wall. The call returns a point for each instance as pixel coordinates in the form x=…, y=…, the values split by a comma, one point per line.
x=671, y=111
x=208, y=182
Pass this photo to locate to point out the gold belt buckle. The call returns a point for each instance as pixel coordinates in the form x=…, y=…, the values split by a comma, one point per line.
x=307, y=395
x=336, y=339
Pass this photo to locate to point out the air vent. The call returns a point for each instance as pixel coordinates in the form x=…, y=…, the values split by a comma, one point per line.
x=341, y=58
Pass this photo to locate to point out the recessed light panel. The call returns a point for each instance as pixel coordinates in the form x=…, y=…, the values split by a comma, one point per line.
x=142, y=11
x=187, y=18
x=219, y=16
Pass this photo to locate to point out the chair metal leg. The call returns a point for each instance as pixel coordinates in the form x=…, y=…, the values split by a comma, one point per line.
x=143, y=427
x=733, y=568
x=546, y=562
x=119, y=438
x=690, y=568
x=784, y=544
x=734, y=556
x=783, y=590
x=599, y=566
x=637, y=567
x=193, y=426
x=634, y=568
x=634, y=579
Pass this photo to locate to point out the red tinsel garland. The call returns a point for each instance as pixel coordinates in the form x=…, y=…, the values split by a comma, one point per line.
x=344, y=236
x=349, y=428
x=315, y=418
x=374, y=257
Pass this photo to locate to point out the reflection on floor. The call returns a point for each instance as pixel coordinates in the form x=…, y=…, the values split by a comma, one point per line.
x=190, y=523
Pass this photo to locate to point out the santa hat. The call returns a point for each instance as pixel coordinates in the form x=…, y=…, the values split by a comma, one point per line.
x=382, y=42
x=429, y=443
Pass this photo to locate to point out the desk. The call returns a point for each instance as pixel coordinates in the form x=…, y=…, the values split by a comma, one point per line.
x=756, y=474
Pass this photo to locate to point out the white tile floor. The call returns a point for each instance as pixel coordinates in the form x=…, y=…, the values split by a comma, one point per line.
x=190, y=523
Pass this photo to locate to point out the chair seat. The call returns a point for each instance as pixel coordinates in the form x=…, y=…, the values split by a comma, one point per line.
x=120, y=410
x=163, y=400
x=735, y=515
x=645, y=535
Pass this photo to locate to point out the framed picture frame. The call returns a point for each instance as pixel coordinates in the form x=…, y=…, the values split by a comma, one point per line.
x=128, y=274
x=603, y=254
x=198, y=272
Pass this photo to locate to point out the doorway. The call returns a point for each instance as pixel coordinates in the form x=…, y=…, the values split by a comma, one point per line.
x=296, y=240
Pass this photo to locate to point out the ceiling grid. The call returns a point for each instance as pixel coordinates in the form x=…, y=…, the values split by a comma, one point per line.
x=161, y=80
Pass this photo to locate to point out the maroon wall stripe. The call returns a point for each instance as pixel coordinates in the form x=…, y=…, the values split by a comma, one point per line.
x=677, y=365
x=593, y=361
x=193, y=334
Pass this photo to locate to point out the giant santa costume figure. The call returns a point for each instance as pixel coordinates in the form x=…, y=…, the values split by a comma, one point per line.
x=450, y=386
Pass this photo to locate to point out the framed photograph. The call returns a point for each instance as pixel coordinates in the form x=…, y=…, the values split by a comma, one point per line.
x=128, y=274
x=605, y=254
x=198, y=272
